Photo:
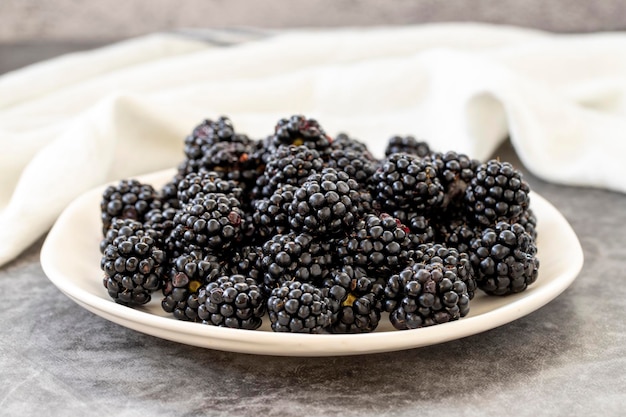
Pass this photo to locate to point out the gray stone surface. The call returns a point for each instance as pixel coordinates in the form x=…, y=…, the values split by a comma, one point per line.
x=33, y=20
x=567, y=358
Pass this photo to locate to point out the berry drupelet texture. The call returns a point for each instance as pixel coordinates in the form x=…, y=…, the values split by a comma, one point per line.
x=408, y=145
x=133, y=265
x=496, y=193
x=505, y=259
x=425, y=295
x=298, y=307
x=128, y=199
x=407, y=182
x=326, y=204
x=233, y=301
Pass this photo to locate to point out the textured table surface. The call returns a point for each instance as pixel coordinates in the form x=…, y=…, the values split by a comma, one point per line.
x=567, y=358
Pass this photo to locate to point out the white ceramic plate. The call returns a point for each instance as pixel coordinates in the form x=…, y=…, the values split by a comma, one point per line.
x=71, y=259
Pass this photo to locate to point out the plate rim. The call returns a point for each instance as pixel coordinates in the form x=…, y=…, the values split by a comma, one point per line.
x=290, y=344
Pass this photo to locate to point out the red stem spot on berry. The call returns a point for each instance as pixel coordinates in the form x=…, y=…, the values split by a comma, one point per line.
x=234, y=218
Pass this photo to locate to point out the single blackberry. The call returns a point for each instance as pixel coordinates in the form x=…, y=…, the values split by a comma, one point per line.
x=270, y=214
x=233, y=301
x=455, y=172
x=210, y=223
x=133, y=266
x=354, y=300
x=504, y=259
x=425, y=295
x=451, y=259
x=289, y=165
x=298, y=307
x=195, y=185
x=408, y=145
x=496, y=193
x=378, y=243
x=295, y=257
x=128, y=199
x=207, y=134
x=407, y=182
x=187, y=274
x=298, y=130
x=325, y=204
x=344, y=142
x=357, y=165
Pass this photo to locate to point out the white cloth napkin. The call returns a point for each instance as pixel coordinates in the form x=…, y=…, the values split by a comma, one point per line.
x=71, y=123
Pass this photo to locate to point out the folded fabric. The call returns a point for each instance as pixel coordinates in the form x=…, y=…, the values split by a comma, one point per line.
x=71, y=123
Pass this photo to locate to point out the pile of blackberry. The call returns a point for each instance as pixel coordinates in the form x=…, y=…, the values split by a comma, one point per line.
x=315, y=234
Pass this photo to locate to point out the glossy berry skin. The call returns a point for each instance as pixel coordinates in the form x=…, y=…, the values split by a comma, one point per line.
x=288, y=165
x=408, y=145
x=210, y=223
x=295, y=257
x=407, y=182
x=128, y=199
x=378, y=243
x=326, y=204
x=497, y=193
x=133, y=265
x=505, y=259
x=298, y=307
x=298, y=130
x=195, y=185
x=186, y=275
x=354, y=300
x=270, y=215
x=426, y=295
x=232, y=301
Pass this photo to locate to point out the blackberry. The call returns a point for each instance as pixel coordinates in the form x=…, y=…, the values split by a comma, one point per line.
x=421, y=230
x=529, y=221
x=451, y=259
x=378, y=243
x=160, y=219
x=408, y=145
x=354, y=300
x=406, y=182
x=123, y=227
x=290, y=165
x=128, y=199
x=186, y=276
x=195, y=185
x=270, y=215
x=232, y=301
x=246, y=260
x=496, y=193
x=210, y=223
x=504, y=259
x=356, y=165
x=298, y=307
x=344, y=142
x=298, y=130
x=425, y=295
x=133, y=266
x=456, y=233
x=214, y=146
x=455, y=172
x=325, y=204
x=295, y=257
